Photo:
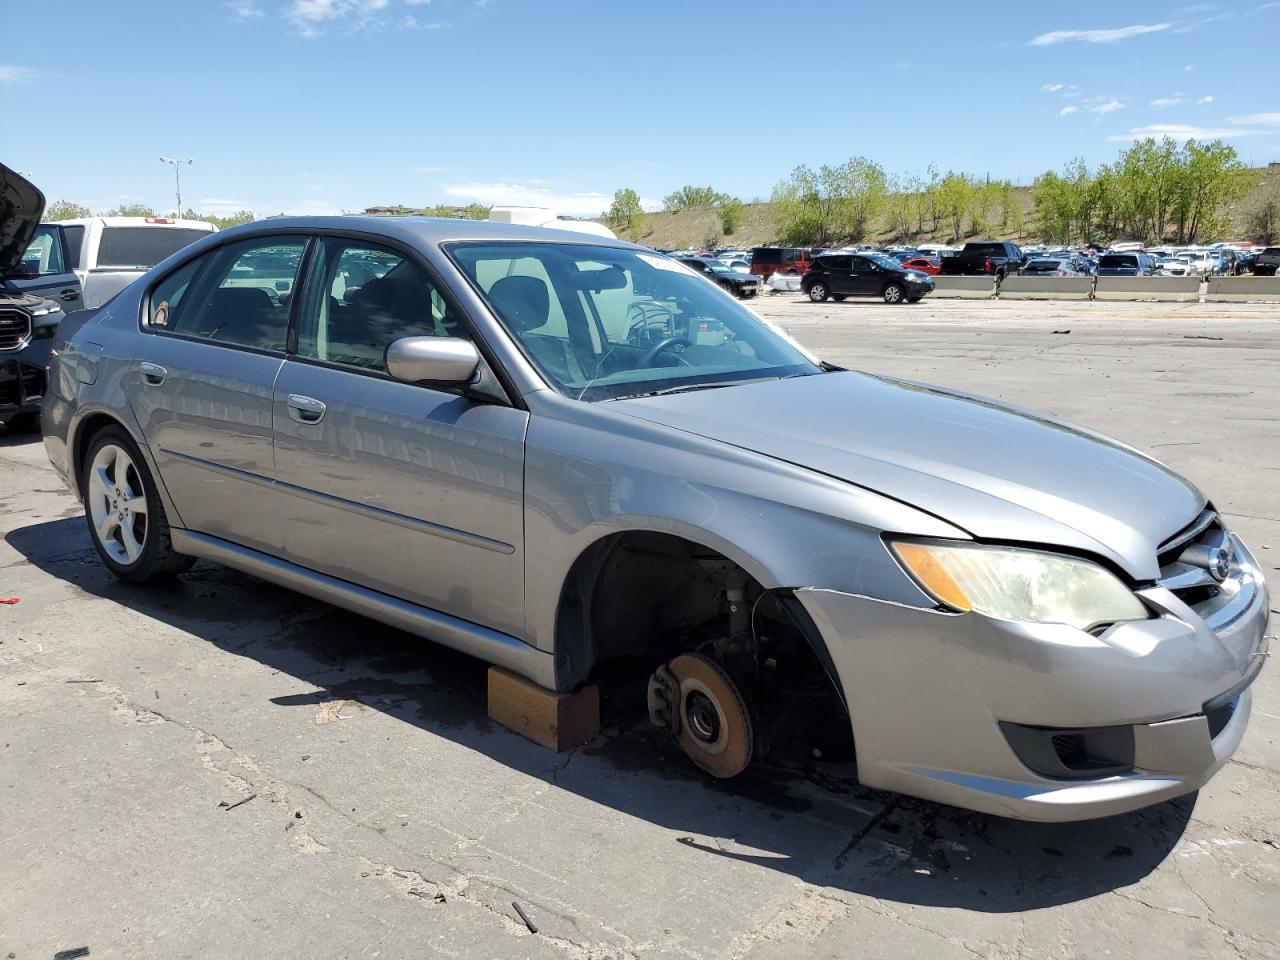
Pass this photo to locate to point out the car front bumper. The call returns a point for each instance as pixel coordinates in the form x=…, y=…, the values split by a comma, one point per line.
x=928, y=692
x=22, y=378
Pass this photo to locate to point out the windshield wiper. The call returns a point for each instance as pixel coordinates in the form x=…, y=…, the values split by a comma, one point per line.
x=690, y=387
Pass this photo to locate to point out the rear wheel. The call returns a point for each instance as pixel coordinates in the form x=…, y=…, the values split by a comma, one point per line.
x=893, y=293
x=23, y=423
x=819, y=292
x=126, y=519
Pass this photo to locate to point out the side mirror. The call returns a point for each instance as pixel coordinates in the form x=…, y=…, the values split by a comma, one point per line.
x=439, y=360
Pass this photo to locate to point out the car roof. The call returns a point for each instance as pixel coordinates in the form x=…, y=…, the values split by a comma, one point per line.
x=426, y=230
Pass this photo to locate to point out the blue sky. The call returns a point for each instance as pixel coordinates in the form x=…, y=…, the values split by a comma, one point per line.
x=314, y=106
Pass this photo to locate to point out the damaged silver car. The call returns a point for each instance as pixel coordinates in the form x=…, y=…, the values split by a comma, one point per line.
x=566, y=454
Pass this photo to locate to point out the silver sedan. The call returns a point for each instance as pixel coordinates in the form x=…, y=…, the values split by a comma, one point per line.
x=560, y=453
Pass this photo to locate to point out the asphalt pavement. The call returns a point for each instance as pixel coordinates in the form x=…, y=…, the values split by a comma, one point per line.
x=225, y=769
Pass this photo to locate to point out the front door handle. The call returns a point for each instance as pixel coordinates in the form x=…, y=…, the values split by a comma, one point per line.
x=152, y=373
x=305, y=409
x=69, y=295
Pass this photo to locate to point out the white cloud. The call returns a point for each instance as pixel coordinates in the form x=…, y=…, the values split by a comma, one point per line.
x=1166, y=102
x=417, y=3
x=1052, y=87
x=1180, y=131
x=532, y=194
x=1114, y=35
x=1188, y=68
x=310, y=17
x=243, y=9
x=1258, y=119
x=10, y=73
x=1066, y=111
x=1108, y=106
x=410, y=22
x=1204, y=100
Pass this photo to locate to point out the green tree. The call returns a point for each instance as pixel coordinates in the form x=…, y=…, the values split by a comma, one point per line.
x=625, y=213
x=1213, y=178
x=830, y=203
x=66, y=210
x=131, y=210
x=1262, y=218
x=731, y=213
x=955, y=197
x=693, y=198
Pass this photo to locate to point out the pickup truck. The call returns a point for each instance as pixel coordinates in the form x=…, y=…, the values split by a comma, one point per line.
x=36, y=288
x=1267, y=262
x=986, y=257
x=109, y=253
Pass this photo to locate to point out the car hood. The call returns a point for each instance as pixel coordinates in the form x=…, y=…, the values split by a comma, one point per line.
x=998, y=472
x=21, y=207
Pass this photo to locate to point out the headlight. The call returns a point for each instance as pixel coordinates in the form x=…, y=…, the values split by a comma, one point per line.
x=45, y=309
x=1018, y=584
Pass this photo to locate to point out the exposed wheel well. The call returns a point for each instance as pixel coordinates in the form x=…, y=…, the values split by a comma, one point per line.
x=644, y=597
x=85, y=433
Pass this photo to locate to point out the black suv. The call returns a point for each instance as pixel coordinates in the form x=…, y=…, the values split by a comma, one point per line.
x=34, y=266
x=840, y=275
x=741, y=285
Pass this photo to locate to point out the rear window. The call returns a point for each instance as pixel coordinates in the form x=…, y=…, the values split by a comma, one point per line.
x=142, y=247
x=985, y=249
x=1113, y=260
x=1271, y=252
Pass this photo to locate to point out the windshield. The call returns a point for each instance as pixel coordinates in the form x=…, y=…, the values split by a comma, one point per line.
x=604, y=322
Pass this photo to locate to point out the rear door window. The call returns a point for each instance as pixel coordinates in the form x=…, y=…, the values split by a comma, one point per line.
x=75, y=241
x=240, y=297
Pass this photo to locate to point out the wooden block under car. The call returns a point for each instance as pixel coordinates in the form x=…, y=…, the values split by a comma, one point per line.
x=560, y=721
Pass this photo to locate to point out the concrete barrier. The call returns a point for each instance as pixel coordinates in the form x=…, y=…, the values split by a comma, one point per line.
x=1046, y=288
x=1237, y=289
x=1166, y=289
x=968, y=288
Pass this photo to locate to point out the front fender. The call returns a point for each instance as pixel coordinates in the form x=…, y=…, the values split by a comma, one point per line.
x=591, y=473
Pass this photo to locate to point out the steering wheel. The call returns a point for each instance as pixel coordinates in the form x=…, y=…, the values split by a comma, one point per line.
x=643, y=316
x=666, y=343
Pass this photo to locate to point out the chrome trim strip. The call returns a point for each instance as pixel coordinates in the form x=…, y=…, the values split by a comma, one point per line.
x=360, y=509
x=491, y=646
x=1197, y=527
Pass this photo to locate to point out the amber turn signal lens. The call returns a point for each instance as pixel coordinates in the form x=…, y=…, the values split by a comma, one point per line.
x=924, y=566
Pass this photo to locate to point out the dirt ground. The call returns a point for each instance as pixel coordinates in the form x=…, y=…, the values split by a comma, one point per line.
x=226, y=769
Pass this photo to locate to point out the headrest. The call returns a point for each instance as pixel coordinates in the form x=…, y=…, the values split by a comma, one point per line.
x=523, y=302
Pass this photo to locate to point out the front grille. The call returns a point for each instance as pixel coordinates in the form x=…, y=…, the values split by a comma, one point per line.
x=1183, y=570
x=15, y=329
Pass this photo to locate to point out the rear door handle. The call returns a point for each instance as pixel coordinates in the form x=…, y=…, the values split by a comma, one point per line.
x=305, y=409
x=69, y=295
x=152, y=373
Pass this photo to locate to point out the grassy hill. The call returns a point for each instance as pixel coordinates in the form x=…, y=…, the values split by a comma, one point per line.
x=694, y=228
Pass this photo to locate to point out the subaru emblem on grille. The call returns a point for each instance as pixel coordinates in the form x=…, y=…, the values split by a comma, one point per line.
x=1219, y=563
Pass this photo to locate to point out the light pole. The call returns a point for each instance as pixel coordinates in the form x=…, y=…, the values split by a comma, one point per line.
x=177, y=180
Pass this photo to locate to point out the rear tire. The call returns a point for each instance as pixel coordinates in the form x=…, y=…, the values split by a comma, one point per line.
x=127, y=522
x=23, y=423
x=819, y=292
x=893, y=293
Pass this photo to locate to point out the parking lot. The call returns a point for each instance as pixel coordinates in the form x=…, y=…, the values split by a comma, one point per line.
x=226, y=769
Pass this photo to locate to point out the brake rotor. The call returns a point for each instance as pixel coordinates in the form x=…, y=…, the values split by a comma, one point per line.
x=715, y=727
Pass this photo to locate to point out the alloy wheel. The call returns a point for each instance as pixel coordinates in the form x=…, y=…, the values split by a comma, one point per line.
x=117, y=504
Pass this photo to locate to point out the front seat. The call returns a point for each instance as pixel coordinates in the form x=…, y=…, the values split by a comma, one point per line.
x=524, y=303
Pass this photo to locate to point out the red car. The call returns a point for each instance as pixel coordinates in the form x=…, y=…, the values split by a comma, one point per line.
x=929, y=265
